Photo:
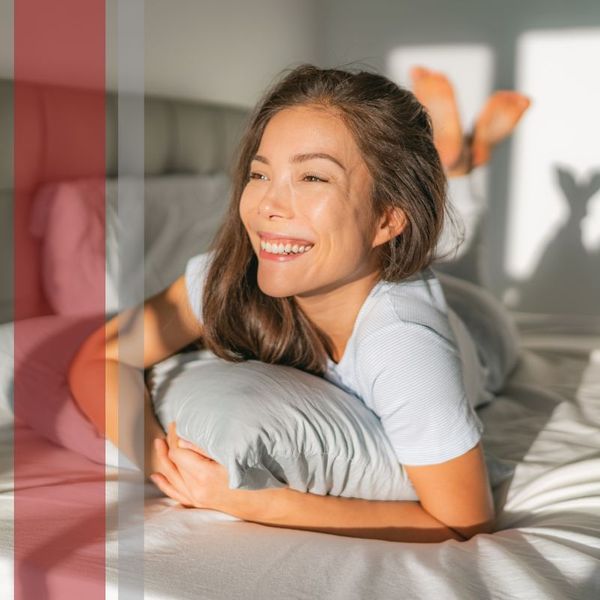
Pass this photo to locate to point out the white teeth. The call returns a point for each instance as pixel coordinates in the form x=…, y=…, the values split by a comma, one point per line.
x=284, y=248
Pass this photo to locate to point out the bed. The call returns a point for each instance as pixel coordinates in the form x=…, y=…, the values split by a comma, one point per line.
x=545, y=421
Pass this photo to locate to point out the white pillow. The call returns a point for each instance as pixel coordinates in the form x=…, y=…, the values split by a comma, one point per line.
x=79, y=248
x=274, y=426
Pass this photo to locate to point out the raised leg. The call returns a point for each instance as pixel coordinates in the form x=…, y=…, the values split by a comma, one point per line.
x=436, y=93
x=460, y=153
x=496, y=121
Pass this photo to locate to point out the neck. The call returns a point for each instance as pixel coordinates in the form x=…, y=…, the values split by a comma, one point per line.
x=335, y=310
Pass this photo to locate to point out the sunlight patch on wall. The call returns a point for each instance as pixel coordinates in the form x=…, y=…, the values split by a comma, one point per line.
x=555, y=162
x=470, y=69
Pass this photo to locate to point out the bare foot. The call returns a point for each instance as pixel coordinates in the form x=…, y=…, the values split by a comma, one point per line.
x=435, y=92
x=495, y=122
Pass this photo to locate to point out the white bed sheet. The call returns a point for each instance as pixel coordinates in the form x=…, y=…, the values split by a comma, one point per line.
x=547, y=546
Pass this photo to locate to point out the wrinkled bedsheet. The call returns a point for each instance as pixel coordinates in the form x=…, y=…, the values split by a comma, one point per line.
x=546, y=421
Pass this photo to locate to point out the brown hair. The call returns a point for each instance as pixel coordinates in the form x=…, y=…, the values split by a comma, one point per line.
x=394, y=134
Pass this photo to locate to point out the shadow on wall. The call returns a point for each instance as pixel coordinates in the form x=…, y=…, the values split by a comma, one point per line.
x=567, y=276
x=535, y=241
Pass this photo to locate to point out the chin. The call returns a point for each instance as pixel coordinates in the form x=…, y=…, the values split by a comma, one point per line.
x=275, y=289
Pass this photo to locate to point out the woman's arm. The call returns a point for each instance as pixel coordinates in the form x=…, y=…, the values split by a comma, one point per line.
x=119, y=422
x=455, y=503
x=455, y=499
x=397, y=521
x=457, y=492
x=189, y=477
x=113, y=360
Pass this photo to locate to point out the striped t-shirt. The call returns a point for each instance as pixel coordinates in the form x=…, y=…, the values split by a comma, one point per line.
x=411, y=360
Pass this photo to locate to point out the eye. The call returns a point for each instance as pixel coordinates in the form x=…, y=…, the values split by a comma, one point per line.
x=255, y=175
x=314, y=178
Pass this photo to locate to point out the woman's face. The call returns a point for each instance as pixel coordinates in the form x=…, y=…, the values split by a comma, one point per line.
x=308, y=186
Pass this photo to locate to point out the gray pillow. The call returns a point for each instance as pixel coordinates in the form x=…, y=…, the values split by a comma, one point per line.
x=276, y=426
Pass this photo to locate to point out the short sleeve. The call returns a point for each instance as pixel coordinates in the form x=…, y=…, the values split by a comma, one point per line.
x=413, y=376
x=196, y=270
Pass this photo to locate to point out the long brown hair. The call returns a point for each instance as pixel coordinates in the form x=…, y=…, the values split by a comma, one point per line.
x=394, y=134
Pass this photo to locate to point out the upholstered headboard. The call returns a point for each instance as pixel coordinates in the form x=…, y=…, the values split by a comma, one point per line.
x=180, y=136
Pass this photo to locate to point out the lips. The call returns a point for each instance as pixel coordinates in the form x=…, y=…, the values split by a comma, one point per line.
x=283, y=238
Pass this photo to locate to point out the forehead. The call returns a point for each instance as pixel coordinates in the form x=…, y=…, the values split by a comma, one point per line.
x=310, y=129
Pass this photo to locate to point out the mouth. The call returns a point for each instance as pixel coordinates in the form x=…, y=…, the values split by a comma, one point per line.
x=281, y=250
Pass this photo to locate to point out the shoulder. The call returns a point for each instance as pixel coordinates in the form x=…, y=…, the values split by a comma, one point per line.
x=198, y=263
x=413, y=380
x=407, y=333
x=416, y=307
x=402, y=361
x=410, y=373
x=196, y=270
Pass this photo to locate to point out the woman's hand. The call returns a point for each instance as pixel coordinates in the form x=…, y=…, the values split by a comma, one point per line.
x=187, y=474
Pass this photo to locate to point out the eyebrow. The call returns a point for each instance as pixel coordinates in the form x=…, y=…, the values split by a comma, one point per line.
x=306, y=156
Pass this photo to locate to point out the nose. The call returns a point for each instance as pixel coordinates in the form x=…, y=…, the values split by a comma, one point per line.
x=275, y=201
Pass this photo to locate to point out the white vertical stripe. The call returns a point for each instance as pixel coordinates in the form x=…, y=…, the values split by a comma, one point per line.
x=130, y=128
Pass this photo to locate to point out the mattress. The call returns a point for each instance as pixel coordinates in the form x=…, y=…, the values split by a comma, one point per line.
x=546, y=421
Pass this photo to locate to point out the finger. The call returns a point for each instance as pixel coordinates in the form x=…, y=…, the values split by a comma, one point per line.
x=197, y=473
x=189, y=446
x=189, y=460
x=170, y=433
x=167, y=467
x=175, y=441
x=162, y=483
x=195, y=469
x=172, y=436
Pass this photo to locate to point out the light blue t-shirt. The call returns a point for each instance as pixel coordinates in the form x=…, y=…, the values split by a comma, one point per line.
x=411, y=360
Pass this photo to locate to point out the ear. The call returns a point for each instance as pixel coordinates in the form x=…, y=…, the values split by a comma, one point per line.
x=391, y=224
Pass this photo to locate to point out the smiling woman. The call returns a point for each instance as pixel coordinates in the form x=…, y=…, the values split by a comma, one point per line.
x=323, y=264
x=328, y=193
x=343, y=164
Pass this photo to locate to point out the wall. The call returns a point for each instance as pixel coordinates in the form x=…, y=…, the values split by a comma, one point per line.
x=6, y=38
x=225, y=50
x=543, y=221
x=219, y=50
x=543, y=247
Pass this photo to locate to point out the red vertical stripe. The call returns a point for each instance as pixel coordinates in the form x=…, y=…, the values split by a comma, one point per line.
x=59, y=528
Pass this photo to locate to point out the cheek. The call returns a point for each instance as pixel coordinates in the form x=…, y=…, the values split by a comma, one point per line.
x=245, y=206
x=334, y=217
x=345, y=234
x=342, y=242
x=327, y=213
